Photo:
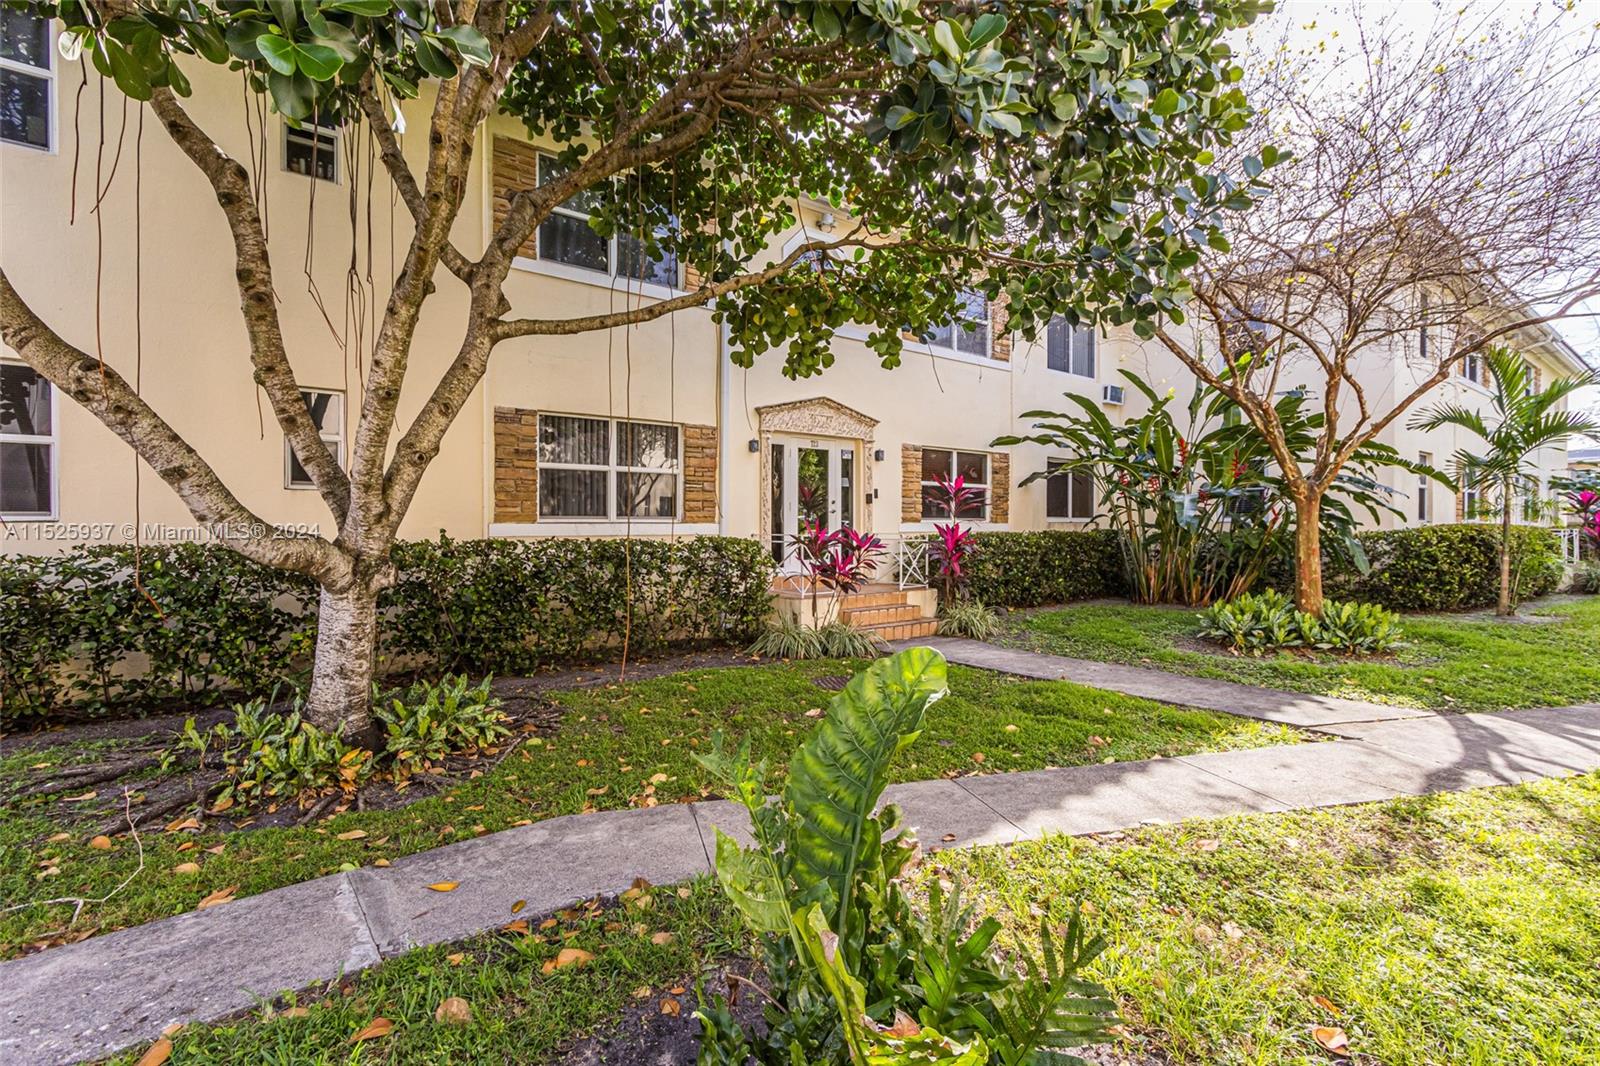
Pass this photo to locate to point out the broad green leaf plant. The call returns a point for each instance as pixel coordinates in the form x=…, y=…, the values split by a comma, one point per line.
x=858, y=974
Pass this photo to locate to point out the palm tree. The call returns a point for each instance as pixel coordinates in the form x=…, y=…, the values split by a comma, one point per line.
x=1526, y=419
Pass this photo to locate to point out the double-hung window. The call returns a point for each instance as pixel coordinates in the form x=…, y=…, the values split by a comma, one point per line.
x=1068, y=494
x=968, y=333
x=327, y=412
x=27, y=76
x=605, y=469
x=312, y=151
x=566, y=237
x=1424, y=489
x=1471, y=368
x=1069, y=348
x=27, y=444
x=946, y=464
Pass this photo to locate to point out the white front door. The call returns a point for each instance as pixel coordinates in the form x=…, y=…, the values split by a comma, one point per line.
x=813, y=480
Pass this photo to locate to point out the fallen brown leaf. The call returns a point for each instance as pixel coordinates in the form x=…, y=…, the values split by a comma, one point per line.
x=445, y=886
x=1326, y=1004
x=101, y=843
x=662, y=938
x=182, y=824
x=59, y=837
x=79, y=799
x=642, y=992
x=457, y=958
x=221, y=895
x=568, y=957
x=977, y=756
x=186, y=868
x=1332, y=1038
x=158, y=1053
x=516, y=908
x=383, y=862
x=354, y=834
x=375, y=1028
x=671, y=1006
x=520, y=927
x=453, y=1011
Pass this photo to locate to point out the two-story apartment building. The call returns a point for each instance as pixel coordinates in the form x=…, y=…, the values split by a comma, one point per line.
x=115, y=238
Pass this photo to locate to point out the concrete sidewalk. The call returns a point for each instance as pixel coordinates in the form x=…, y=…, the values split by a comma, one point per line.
x=87, y=1000
x=1247, y=701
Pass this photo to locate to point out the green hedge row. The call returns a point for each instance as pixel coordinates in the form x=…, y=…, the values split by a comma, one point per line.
x=77, y=631
x=1446, y=568
x=1035, y=569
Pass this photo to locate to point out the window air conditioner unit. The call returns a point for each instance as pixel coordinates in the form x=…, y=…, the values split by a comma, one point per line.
x=1111, y=394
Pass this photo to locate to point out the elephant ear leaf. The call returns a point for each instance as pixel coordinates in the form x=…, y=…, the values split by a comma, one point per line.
x=839, y=773
x=751, y=880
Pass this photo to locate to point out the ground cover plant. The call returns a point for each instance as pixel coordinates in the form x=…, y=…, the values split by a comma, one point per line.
x=594, y=748
x=1253, y=624
x=1449, y=929
x=1466, y=663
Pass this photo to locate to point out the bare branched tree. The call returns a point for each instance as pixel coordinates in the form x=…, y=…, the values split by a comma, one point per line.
x=1434, y=194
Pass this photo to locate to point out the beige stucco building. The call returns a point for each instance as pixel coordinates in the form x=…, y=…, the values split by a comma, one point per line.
x=116, y=240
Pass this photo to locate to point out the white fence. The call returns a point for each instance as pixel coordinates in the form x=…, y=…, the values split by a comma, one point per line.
x=1571, y=546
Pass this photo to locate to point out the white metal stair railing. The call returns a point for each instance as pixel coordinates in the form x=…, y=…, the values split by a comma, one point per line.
x=1571, y=546
x=906, y=561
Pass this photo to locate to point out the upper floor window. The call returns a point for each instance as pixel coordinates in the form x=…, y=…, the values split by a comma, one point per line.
x=599, y=468
x=1069, y=348
x=327, y=411
x=27, y=443
x=26, y=74
x=1424, y=489
x=566, y=237
x=968, y=332
x=1471, y=367
x=1068, y=495
x=312, y=151
x=945, y=464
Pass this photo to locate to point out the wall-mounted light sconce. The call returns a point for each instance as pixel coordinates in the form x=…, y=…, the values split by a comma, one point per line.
x=825, y=222
x=755, y=446
x=877, y=454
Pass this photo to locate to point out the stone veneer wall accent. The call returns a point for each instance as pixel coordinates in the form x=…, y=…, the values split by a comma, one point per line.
x=999, y=338
x=699, y=473
x=516, y=468
x=999, y=487
x=516, y=167
x=910, y=483
x=516, y=465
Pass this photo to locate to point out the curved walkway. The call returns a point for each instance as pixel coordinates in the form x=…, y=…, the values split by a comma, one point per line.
x=90, y=999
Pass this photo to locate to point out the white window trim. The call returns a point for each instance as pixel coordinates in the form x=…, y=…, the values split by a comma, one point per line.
x=315, y=131
x=604, y=278
x=987, y=323
x=333, y=438
x=53, y=440
x=49, y=75
x=986, y=484
x=1425, y=490
x=574, y=524
x=1068, y=518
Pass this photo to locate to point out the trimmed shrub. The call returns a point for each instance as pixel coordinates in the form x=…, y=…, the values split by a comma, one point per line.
x=1446, y=568
x=201, y=622
x=1035, y=569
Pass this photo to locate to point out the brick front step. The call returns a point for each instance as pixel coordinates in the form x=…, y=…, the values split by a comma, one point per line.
x=871, y=616
x=916, y=630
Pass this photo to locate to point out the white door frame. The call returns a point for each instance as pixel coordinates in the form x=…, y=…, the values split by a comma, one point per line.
x=834, y=448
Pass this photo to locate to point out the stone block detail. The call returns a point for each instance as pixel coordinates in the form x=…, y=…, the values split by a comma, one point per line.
x=516, y=167
x=999, y=487
x=516, y=465
x=699, y=473
x=910, y=483
x=999, y=337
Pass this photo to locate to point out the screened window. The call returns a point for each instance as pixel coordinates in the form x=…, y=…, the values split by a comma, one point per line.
x=26, y=74
x=27, y=443
x=327, y=411
x=972, y=467
x=597, y=468
x=566, y=237
x=969, y=332
x=1069, y=495
x=312, y=151
x=1472, y=503
x=1471, y=367
x=1069, y=348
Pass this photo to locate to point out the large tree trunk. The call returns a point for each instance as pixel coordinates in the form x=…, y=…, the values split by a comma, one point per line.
x=1503, y=609
x=1308, y=552
x=340, y=698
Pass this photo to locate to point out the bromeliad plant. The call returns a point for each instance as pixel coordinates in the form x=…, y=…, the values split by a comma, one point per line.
x=1253, y=624
x=1201, y=508
x=857, y=974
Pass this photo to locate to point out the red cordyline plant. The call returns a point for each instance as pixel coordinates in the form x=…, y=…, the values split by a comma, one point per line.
x=841, y=560
x=1585, y=503
x=953, y=545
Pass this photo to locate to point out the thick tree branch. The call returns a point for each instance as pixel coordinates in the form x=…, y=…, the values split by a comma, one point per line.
x=109, y=397
x=231, y=184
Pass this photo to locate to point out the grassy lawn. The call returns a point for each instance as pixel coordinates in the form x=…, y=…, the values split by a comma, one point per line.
x=1455, y=929
x=1460, y=928
x=616, y=747
x=519, y=1012
x=1447, y=664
